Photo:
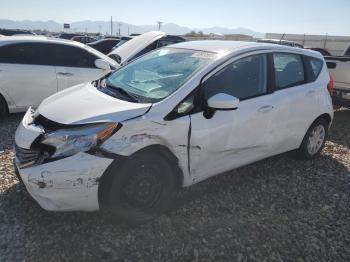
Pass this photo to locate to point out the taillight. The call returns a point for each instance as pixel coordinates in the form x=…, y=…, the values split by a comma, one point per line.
x=330, y=85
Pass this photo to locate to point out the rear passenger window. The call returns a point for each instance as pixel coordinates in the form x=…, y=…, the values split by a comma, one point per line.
x=243, y=79
x=289, y=70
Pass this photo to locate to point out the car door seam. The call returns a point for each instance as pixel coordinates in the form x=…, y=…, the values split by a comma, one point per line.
x=189, y=146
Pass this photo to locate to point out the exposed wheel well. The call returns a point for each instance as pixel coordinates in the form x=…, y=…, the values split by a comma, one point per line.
x=3, y=102
x=326, y=117
x=106, y=178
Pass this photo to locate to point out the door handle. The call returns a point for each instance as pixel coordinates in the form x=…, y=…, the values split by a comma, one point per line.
x=64, y=74
x=310, y=93
x=265, y=109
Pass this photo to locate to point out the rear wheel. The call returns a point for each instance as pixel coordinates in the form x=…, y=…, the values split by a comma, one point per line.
x=314, y=140
x=142, y=189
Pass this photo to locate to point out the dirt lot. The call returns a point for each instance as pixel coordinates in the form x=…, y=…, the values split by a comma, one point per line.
x=279, y=209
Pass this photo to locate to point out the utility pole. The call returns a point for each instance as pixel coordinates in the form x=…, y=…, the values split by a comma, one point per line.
x=159, y=24
x=111, y=25
x=119, y=25
x=325, y=41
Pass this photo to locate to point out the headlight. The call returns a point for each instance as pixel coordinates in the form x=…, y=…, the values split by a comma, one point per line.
x=81, y=139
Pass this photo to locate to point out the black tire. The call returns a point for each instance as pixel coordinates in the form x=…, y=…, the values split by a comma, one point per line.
x=142, y=188
x=3, y=108
x=305, y=151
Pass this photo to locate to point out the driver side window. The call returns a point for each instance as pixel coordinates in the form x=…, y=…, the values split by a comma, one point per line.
x=244, y=78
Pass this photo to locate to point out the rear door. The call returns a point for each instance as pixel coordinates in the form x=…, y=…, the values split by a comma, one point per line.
x=296, y=99
x=74, y=65
x=27, y=73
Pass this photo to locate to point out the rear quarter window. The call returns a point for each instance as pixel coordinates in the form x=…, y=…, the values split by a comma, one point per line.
x=316, y=66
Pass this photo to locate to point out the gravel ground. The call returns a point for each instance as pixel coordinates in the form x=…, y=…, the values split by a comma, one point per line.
x=279, y=209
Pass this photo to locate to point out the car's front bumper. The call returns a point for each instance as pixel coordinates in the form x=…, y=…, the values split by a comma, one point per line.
x=69, y=184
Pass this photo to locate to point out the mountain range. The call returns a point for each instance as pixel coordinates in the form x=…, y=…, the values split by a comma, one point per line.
x=104, y=27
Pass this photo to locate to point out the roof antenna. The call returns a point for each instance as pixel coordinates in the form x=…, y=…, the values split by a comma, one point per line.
x=282, y=37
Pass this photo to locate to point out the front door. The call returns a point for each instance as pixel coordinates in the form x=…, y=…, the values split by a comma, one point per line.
x=229, y=139
x=74, y=66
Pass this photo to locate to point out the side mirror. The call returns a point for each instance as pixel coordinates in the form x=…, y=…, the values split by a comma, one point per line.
x=102, y=64
x=223, y=101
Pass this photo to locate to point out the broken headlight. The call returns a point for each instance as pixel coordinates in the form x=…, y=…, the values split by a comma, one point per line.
x=68, y=142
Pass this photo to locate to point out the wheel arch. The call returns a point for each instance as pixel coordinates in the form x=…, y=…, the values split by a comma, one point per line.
x=105, y=181
x=325, y=116
x=4, y=102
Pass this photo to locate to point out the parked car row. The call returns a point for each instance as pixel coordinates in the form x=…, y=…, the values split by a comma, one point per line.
x=34, y=67
x=170, y=118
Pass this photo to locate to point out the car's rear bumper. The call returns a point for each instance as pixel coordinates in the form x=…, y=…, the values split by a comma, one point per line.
x=69, y=184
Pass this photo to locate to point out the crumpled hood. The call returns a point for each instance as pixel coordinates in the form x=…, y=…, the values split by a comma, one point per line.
x=83, y=104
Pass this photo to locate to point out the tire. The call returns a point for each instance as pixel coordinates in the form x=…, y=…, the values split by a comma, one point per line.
x=142, y=188
x=314, y=140
x=3, y=108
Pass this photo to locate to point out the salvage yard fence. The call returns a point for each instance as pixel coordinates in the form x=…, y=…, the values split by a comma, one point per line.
x=334, y=44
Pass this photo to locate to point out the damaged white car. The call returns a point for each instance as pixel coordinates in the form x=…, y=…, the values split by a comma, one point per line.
x=169, y=119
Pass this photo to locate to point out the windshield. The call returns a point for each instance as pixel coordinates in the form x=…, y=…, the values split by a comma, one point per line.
x=156, y=75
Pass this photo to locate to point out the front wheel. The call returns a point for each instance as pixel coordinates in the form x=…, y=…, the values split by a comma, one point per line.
x=314, y=140
x=142, y=189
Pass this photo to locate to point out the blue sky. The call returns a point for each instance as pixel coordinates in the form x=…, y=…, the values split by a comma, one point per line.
x=290, y=16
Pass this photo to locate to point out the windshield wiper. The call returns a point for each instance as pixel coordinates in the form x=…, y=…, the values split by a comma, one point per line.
x=131, y=97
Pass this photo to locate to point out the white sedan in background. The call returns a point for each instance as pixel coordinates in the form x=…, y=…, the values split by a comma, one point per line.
x=35, y=67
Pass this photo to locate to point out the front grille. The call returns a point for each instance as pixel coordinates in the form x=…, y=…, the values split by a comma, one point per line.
x=47, y=124
x=50, y=125
x=26, y=157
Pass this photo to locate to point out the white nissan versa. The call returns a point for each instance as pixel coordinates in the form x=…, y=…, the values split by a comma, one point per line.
x=34, y=67
x=169, y=119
